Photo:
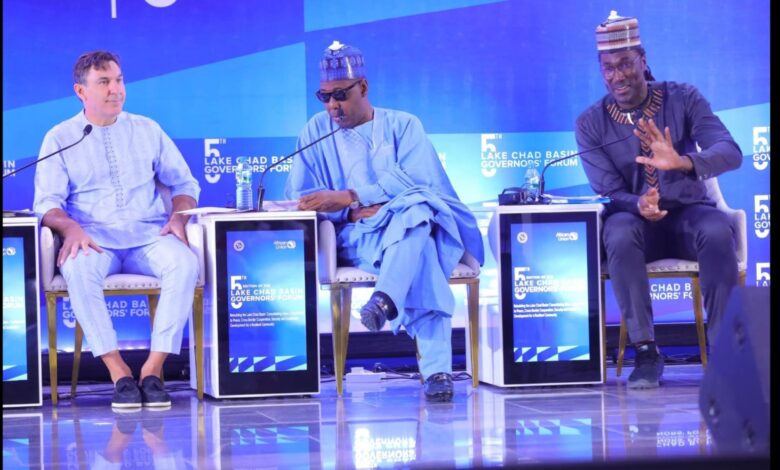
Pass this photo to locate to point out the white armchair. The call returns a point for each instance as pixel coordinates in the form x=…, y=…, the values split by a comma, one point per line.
x=680, y=268
x=118, y=284
x=341, y=279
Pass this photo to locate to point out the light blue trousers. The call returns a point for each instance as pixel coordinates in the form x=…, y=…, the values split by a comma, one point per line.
x=413, y=263
x=167, y=259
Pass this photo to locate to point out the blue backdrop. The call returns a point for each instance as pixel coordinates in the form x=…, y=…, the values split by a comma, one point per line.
x=497, y=85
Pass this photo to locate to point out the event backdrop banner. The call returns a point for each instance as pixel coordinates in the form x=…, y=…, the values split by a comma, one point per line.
x=497, y=85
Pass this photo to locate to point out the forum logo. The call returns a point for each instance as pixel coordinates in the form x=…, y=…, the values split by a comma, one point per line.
x=762, y=274
x=517, y=152
x=761, y=215
x=761, y=148
x=214, y=164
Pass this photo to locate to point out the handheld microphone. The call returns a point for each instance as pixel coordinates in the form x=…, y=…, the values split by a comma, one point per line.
x=261, y=188
x=552, y=162
x=87, y=130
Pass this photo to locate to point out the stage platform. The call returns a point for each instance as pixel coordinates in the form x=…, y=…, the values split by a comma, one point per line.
x=387, y=424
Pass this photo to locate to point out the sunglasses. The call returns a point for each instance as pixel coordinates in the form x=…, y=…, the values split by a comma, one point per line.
x=338, y=95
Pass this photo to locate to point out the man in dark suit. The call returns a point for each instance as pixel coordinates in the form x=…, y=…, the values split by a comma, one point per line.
x=659, y=205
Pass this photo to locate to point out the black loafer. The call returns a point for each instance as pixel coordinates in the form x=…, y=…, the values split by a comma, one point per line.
x=438, y=387
x=126, y=394
x=153, y=392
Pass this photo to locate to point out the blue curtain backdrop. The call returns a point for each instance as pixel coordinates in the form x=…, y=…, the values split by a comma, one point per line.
x=497, y=85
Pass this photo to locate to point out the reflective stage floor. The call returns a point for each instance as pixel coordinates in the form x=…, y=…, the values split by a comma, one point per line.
x=383, y=425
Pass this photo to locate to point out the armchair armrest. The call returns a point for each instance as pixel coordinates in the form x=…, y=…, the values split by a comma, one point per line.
x=195, y=239
x=739, y=222
x=49, y=246
x=470, y=261
x=326, y=251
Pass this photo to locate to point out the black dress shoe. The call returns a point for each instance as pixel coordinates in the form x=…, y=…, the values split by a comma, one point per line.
x=377, y=311
x=438, y=387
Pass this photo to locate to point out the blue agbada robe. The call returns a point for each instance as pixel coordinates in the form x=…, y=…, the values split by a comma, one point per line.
x=400, y=168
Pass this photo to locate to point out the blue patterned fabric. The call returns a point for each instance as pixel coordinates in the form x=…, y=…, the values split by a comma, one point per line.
x=341, y=62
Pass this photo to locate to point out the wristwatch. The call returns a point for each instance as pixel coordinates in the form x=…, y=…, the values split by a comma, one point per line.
x=355, y=202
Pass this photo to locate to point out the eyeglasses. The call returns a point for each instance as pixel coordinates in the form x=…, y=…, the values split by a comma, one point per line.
x=608, y=70
x=338, y=95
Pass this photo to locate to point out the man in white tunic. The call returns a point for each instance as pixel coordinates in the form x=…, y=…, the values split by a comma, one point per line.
x=100, y=196
x=396, y=213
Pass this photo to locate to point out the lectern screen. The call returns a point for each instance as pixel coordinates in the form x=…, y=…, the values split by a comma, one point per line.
x=549, y=281
x=266, y=294
x=21, y=356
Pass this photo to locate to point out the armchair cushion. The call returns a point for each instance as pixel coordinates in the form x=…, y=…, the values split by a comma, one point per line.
x=738, y=222
x=53, y=281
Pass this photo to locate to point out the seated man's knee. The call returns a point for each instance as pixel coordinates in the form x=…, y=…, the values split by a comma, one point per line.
x=715, y=232
x=180, y=262
x=622, y=229
x=82, y=266
x=186, y=264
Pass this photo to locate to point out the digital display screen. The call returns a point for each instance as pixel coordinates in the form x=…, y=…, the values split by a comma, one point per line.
x=267, y=307
x=14, y=311
x=550, y=292
x=266, y=297
x=21, y=328
x=550, y=309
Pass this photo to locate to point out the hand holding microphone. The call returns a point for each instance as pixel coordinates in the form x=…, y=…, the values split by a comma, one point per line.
x=86, y=131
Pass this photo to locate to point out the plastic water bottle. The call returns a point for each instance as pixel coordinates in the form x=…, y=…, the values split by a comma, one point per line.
x=532, y=184
x=243, y=185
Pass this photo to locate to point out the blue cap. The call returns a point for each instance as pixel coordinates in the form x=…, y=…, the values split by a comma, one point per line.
x=341, y=62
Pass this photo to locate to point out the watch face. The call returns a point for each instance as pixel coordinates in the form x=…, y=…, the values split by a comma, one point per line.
x=355, y=201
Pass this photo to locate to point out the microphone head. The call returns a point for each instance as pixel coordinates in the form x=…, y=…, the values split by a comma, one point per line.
x=87, y=129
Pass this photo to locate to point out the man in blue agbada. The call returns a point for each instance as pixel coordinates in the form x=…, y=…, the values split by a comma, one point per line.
x=396, y=213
